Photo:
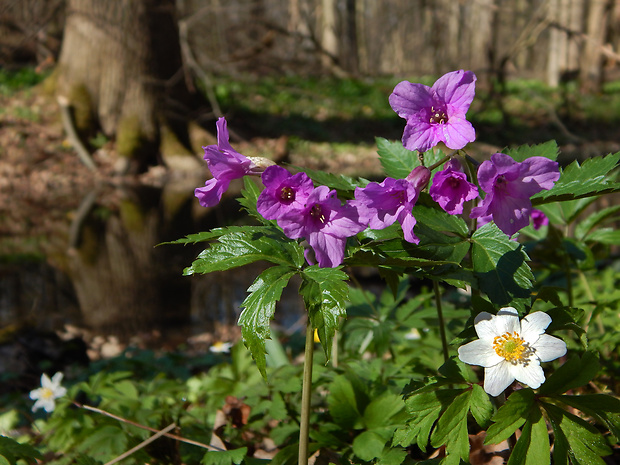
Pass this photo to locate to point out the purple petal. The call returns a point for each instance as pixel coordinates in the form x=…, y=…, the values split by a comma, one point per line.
x=211, y=194
x=409, y=99
x=456, y=89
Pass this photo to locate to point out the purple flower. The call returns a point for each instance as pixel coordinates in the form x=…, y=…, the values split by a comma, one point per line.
x=325, y=224
x=539, y=219
x=283, y=191
x=225, y=164
x=509, y=186
x=380, y=205
x=450, y=188
x=436, y=114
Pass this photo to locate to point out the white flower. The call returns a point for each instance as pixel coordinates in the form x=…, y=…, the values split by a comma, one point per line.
x=220, y=347
x=509, y=349
x=47, y=394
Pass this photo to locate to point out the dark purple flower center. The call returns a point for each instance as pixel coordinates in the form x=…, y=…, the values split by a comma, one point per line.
x=438, y=116
x=287, y=194
x=454, y=182
x=316, y=212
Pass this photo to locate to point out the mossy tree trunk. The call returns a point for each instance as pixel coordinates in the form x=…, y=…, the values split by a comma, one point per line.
x=119, y=66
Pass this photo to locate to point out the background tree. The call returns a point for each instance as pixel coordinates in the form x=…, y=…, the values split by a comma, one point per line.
x=120, y=68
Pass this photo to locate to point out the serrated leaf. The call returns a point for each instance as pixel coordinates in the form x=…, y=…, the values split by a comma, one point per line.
x=424, y=408
x=500, y=267
x=575, y=438
x=510, y=416
x=582, y=180
x=396, y=160
x=381, y=409
x=439, y=220
x=533, y=447
x=108, y=441
x=480, y=406
x=333, y=181
x=547, y=149
x=241, y=246
x=249, y=197
x=585, y=226
x=602, y=407
x=259, y=308
x=451, y=429
x=225, y=457
x=575, y=372
x=325, y=293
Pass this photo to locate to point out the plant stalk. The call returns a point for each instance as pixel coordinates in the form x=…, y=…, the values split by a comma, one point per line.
x=306, y=394
x=442, y=325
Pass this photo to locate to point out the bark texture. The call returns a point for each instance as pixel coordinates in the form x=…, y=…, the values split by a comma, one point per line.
x=118, y=64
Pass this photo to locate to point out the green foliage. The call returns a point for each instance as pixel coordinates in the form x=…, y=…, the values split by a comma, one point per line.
x=11, y=451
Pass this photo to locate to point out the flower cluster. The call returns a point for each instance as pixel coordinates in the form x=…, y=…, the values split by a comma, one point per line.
x=433, y=115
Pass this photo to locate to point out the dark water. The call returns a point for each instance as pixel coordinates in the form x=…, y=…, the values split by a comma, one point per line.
x=100, y=270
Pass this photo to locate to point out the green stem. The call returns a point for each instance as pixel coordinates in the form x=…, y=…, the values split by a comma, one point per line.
x=569, y=280
x=306, y=393
x=442, y=327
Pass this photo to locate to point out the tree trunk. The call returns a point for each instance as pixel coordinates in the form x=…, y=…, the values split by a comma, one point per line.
x=120, y=62
x=591, y=71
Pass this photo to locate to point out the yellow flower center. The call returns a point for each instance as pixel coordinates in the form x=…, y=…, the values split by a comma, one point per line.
x=46, y=393
x=512, y=348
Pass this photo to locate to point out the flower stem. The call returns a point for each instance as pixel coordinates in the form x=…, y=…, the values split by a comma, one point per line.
x=306, y=393
x=442, y=326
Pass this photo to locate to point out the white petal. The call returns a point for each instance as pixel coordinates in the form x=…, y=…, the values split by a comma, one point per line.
x=35, y=394
x=57, y=379
x=479, y=352
x=497, y=378
x=46, y=382
x=533, y=325
x=532, y=374
x=60, y=392
x=507, y=321
x=549, y=348
x=48, y=405
x=485, y=327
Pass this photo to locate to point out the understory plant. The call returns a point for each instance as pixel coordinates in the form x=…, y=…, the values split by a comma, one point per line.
x=459, y=304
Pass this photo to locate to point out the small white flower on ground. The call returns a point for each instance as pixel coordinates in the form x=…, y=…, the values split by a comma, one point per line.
x=510, y=349
x=220, y=347
x=46, y=395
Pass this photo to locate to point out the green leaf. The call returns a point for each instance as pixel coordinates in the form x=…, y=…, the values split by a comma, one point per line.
x=249, y=197
x=548, y=149
x=602, y=407
x=396, y=160
x=368, y=445
x=226, y=457
x=259, y=308
x=510, y=416
x=241, y=246
x=451, y=429
x=424, y=407
x=580, y=181
x=325, y=293
x=343, y=403
x=439, y=220
x=333, y=181
x=500, y=267
x=11, y=451
x=381, y=409
x=533, y=447
x=575, y=438
x=480, y=406
x=107, y=442
x=575, y=372
x=586, y=225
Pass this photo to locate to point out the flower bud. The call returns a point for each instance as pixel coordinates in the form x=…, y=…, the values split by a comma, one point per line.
x=419, y=177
